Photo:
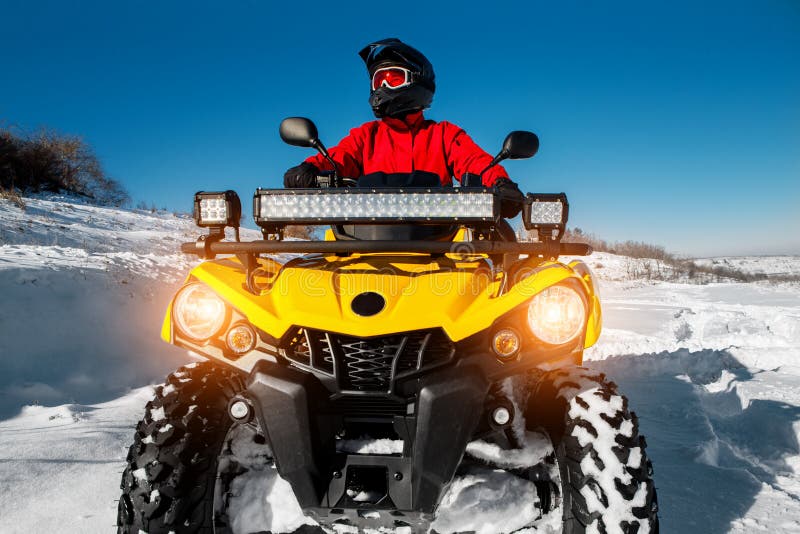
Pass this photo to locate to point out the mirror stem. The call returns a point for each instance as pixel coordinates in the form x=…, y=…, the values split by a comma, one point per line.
x=497, y=159
x=316, y=143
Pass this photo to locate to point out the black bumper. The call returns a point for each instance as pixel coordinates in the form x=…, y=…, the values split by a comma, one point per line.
x=292, y=406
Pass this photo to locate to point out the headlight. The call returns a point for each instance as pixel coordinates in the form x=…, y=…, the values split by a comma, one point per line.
x=557, y=315
x=199, y=312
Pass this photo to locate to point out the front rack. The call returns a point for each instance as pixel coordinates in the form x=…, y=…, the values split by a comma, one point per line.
x=208, y=249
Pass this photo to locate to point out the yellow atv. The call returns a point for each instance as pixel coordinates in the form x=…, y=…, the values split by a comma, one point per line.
x=416, y=371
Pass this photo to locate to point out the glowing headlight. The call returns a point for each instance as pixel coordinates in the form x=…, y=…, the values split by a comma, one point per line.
x=199, y=313
x=557, y=315
x=367, y=205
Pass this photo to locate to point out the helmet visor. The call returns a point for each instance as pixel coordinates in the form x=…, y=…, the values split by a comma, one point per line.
x=391, y=77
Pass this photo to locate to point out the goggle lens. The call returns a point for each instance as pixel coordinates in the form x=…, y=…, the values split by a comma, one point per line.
x=392, y=77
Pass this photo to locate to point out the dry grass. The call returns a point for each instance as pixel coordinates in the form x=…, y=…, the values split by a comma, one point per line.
x=13, y=196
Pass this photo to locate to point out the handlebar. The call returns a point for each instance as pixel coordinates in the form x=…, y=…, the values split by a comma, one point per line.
x=329, y=180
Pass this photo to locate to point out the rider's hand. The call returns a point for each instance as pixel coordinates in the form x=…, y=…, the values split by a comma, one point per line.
x=511, y=198
x=304, y=175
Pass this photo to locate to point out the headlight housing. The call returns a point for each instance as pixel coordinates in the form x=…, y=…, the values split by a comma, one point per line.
x=199, y=313
x=557, y=315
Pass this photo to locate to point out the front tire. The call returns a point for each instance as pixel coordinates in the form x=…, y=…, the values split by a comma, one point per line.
x=606, y=480
x=168, y=484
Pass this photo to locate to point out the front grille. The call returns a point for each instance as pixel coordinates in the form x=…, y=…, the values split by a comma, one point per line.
x=368, y=406
x=373, y=364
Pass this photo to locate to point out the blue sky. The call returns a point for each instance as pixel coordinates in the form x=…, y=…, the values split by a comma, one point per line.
x=675, y=123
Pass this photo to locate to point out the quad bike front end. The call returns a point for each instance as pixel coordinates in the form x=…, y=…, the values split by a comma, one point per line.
x=369, y=374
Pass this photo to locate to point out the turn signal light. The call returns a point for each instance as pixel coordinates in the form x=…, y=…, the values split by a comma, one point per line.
x=506, y=344
x=241, y=339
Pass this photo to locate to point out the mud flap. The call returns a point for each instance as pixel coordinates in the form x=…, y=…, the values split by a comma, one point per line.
x=450, y=406
x=284, y=397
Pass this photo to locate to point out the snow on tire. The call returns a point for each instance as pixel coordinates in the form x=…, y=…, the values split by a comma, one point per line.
x=168, y=484
x=606, y=477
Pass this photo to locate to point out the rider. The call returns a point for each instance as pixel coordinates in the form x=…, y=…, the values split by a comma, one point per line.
x=403, y=140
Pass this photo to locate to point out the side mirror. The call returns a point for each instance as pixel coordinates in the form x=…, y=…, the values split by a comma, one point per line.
x=299, y=131
x=520, y=145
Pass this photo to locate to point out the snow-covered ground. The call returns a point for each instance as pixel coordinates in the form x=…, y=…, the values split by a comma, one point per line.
x=767, y=265
x=713, y=371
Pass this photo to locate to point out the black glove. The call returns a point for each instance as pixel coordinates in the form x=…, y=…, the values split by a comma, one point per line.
x=511, y=198
x=304, y=175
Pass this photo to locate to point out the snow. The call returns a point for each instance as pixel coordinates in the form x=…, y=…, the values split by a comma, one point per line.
x=767, y=265
x=370, y=446
x=464, y=509
x=533, y=451
x=258, y=486
x=712, y=371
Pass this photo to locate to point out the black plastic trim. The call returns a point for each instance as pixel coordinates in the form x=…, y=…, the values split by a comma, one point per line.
x=290, y=405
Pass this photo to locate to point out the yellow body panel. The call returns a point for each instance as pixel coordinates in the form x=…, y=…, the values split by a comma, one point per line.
x=594, y=324
x=166, y=326
x=457, y=294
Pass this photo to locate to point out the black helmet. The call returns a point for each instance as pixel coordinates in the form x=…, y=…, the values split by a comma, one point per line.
x=416, y=96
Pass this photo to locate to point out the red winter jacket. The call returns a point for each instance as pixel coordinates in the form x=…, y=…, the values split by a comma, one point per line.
x=410, y=144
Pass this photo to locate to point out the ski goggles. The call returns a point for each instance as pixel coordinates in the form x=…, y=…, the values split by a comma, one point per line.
x=391, y=77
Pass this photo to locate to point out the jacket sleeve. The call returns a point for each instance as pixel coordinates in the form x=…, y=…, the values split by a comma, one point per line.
x=465, y=156
x=348, y=154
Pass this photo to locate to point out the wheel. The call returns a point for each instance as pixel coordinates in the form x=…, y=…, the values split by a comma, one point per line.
x=605, y=478
x=190, y=465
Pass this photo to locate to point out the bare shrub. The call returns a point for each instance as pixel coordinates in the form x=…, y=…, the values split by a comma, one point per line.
x=576, y=235
x=13, y=196
x=652, y=262
x=305, y=233
x=48, y=161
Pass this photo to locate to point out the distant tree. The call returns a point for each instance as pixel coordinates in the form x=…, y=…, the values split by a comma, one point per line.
x=301, y=232
x=48, y=161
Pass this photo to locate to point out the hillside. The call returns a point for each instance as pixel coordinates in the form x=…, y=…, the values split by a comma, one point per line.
x=712, y=371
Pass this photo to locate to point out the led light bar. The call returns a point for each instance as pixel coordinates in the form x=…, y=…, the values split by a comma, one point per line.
x=545, y=211
x=353, y=205
x=217, y=209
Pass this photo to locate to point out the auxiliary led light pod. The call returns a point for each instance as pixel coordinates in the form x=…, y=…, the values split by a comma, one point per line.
x=217, y=209
x=546, y=213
